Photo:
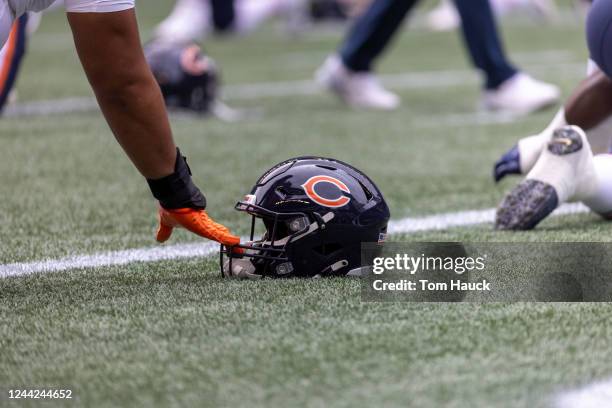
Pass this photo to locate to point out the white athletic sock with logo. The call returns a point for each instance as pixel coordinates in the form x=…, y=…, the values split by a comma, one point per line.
x=572, y=174
x=531, y=147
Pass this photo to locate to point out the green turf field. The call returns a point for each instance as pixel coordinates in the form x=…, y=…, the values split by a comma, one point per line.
x=173, y=333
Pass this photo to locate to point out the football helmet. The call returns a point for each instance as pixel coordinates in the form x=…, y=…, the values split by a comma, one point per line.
x=316, y=213
x=188, y=78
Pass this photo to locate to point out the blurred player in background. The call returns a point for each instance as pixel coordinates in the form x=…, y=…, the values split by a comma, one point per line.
x=445, y=17
x=192, y=20
x=13, y=52
x=565, y=163
x=349, y=73
x=11, y=56
x=108, y=44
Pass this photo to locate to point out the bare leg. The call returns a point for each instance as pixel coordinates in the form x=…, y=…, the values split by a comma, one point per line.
x=591, y=102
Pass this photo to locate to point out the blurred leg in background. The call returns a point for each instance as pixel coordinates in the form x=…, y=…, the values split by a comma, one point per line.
x=14, y=50
x=192, y=20
x=445, y=16
x=11, y=56
x=349, y=74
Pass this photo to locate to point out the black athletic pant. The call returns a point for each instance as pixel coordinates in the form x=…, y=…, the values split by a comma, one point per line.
x=373, y=31
x=223, y=14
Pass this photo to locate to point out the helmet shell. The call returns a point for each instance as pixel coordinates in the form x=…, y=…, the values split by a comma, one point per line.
x=343, y=207
x=315, y=184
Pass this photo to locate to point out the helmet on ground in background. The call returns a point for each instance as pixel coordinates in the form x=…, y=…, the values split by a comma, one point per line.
x=188, y=78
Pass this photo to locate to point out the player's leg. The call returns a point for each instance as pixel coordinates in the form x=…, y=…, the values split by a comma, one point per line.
x=348, y=74
x=566, y=171
x=250, y=14
x=589, y=106
x=188, y=21
x=108, y=45
x=600, y=199
x=482, y=41
x=506, y=88
x=10, y=58
x=372, y=33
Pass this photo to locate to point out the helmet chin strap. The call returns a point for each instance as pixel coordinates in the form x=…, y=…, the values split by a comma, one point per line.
x=332, y=268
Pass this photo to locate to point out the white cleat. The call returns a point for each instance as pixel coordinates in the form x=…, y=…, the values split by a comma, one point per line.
x=565, y=171
x=361, y=90
x=521, y=95
x=188, y=21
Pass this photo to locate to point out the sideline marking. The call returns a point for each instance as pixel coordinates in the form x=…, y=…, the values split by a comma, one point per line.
x=198, y=250
x=595, y=395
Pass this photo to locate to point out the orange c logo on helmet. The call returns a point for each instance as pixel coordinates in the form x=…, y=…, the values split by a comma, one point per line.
x=309, y=188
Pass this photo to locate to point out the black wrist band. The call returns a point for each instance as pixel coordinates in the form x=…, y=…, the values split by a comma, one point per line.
x=178, y=190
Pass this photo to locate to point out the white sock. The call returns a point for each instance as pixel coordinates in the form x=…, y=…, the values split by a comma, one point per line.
x=572, y=175
x=600, y=199
x=600, y=135
x=531, y=147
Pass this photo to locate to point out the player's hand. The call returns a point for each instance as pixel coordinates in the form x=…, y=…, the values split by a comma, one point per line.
x=196, y=221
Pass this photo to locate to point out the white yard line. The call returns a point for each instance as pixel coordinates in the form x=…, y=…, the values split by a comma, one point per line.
x=182, y=251
x=111, y=258
x=462, y=219
x=595, y=395
x=406, y=81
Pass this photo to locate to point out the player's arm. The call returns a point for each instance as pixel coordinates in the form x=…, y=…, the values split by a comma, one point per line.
x=109, y=47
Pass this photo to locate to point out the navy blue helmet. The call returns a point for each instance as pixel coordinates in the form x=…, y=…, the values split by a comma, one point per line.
x=316, y=213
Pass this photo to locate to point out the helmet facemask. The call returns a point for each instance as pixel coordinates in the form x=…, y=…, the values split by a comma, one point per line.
x=268, y=256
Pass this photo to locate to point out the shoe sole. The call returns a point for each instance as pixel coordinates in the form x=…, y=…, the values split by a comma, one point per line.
x=526, y=206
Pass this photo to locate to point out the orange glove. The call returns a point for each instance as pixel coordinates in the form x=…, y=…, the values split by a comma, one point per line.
x=196, y=221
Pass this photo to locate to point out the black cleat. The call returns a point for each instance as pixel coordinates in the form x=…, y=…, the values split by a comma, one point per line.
x=509, y=163
x=525, y=206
